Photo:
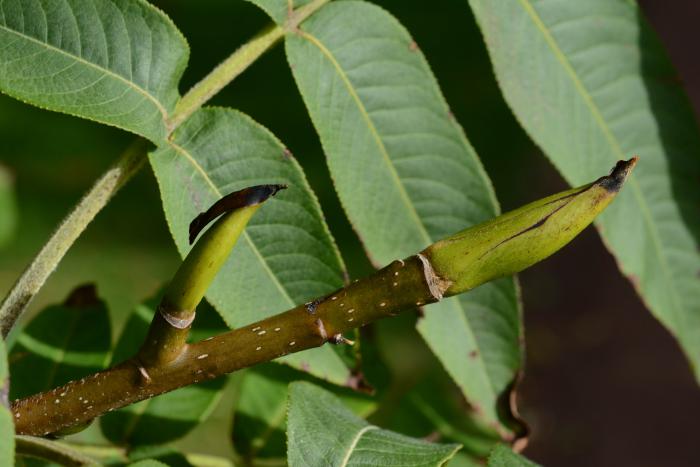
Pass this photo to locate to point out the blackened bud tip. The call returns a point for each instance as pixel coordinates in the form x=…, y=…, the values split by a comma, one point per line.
x=238, y=199
x=618, y=174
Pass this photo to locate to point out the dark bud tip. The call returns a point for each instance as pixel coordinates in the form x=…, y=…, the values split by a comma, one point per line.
x=238, y=199
x=618, y=174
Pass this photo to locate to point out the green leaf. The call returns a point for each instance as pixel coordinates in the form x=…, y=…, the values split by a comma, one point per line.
x=148, y=463
x=406, y=176
x=259, y=424
x=279, y=10
x=503, y=456
x=61, y=344
x=435, y=407
x=156, y=456
x=171, y=415
x=321, y=431
x=285, y=256
x=113, y=61
x=260, y=420
x=591, y=84
x=7, y=426
x=8, y=207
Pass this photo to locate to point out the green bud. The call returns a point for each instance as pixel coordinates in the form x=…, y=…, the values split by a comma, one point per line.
x=518, y=239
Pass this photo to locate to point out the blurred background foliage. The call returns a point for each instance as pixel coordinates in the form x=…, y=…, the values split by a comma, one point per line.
x=595, y=357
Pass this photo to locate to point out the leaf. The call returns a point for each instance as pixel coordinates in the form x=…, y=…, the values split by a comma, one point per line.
x=8, y=208
x=156, y=456
x=259, y=424
x=7, y=427
x=148, y=463
x=406, y=176
x=61, y=344
x=286, y=255
x=113, y=61
x=279, y=10
x=591, y=84
x=171, y=415
x=435, y=408
x=502, y=456
x=260, y=420
x=321, y=431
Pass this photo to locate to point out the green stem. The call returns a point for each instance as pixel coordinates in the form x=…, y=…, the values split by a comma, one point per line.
x=34, y=277
x=56, y=452
x=167, y=336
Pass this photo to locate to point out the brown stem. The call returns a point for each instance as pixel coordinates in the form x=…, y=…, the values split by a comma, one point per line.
x=502, y=246
x=400, y=286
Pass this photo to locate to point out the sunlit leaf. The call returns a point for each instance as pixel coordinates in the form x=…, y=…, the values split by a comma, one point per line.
x=114, y=61
x=591, y=84
x=406, y=176
x=285, y=256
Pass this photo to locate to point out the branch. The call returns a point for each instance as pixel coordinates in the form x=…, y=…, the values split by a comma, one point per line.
x=502, y=246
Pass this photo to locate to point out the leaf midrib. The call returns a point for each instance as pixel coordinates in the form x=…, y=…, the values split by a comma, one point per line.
x=106, y=71
x=354, y=442
x=252, y=245
x=610, y=137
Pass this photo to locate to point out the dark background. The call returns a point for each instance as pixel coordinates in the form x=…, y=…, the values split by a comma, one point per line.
x=605, y=383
